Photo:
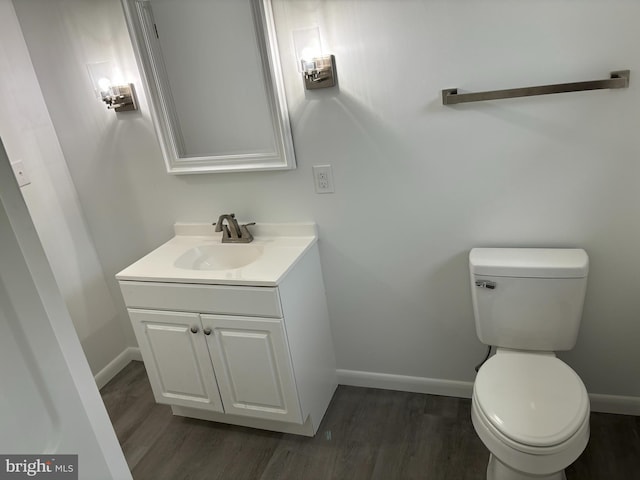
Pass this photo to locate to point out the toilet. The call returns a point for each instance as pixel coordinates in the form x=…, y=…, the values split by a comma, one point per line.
x=529, y=408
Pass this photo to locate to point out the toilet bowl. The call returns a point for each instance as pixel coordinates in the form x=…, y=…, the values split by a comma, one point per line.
x=531, y=410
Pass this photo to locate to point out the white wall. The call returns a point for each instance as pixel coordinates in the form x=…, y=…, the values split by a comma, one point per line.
x=49, y=399
x=417, y=184
x=29, y=135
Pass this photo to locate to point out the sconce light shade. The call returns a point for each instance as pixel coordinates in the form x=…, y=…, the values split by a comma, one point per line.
x=101, y=74
x=121, y=97
x=317, y=68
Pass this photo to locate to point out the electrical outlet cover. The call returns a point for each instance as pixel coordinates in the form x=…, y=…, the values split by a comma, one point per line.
x=323, y=178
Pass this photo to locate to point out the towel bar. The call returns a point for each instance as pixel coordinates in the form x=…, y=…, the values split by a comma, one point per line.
x=619, y=79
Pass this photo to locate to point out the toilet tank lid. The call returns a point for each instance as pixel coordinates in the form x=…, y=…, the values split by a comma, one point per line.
x=529, y=262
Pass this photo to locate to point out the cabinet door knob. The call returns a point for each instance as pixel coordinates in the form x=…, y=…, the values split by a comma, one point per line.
x=194, y=329
x=207, y=331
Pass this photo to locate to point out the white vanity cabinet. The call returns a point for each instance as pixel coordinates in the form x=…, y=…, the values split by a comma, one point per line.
x=176, y=358
x=258, y=356
x=252, y=362
x=193, y=360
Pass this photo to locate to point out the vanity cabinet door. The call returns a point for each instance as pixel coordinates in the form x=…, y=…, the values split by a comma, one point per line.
x=176, y=358
x=253, y=367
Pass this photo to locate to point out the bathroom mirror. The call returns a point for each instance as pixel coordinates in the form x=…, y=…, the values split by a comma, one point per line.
x=212, y=75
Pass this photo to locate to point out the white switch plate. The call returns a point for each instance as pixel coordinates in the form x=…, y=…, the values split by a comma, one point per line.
x=20, y=173
x=323, y=178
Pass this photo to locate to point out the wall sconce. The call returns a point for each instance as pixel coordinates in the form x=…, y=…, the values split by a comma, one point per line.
x=318, y=70
x=118, y=96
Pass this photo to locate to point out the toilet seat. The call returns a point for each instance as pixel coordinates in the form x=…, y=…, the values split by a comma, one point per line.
x=533, y=401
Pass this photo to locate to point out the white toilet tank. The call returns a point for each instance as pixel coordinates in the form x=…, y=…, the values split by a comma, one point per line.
x=528, y=298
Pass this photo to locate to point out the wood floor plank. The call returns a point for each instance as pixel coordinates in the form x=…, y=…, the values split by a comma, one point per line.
x=367, y=434
x=613, y=451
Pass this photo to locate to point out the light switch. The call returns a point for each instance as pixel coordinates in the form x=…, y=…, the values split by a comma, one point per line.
x=20, y=173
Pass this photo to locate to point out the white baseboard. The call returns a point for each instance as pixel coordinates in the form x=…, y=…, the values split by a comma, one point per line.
x=618, y=404
x=615, y=404
x=451, y=388
x=404, y=383
x=116, y=365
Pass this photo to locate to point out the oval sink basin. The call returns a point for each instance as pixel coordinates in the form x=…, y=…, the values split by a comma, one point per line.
x=219, y=257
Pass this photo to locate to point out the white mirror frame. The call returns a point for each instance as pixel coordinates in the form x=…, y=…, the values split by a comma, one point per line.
x=146, y=47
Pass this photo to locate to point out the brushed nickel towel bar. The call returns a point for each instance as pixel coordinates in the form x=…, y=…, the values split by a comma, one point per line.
x=619, y=79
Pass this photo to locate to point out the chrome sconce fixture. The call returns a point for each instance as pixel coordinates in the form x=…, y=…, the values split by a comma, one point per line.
x=317, y=68
x=118, y=96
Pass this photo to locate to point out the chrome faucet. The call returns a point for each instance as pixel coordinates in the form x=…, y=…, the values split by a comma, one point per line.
x=233, y=233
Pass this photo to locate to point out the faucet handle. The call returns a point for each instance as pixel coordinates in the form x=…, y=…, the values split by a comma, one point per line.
x=245, y=234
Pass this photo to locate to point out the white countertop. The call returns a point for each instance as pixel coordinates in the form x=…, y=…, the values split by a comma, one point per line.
x=281, y=246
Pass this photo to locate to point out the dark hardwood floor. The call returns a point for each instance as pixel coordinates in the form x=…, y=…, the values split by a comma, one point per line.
x=366, y=434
